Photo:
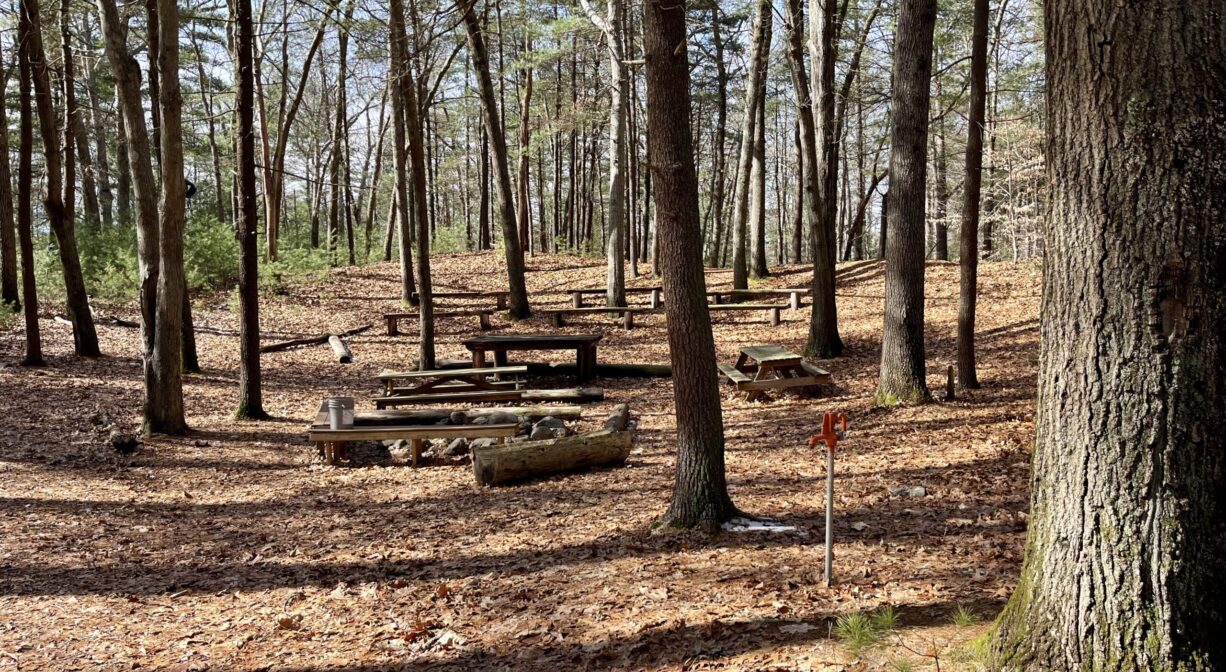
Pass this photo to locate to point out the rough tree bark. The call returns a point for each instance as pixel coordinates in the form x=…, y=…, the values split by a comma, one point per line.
x=902, y=340
x=1127, y=542
x=759, y=52
x=84, y=337
x=498, y=146
x=968, y=258
x=247, y=223
x=718, y=159
x=700, y=491
x=757, y=194
x=25, y=208
x=8, y=239
x=398, y=74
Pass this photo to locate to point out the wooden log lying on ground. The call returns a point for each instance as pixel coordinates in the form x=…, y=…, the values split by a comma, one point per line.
x=341, y=349
x=310, y=340
x=493, y=465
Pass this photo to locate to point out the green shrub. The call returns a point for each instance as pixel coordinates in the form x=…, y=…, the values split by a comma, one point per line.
x=210, y=254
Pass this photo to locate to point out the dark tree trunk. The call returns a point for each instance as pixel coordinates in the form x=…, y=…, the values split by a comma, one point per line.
x=1127, y=542
x=700, y=492
x=84, y=337
x=25, y=208
x=940, y=248
x=494, y=129
x=250, y=392
x=399, y=81
x=759, y=52
x=798, y=217
x=757, y=193
x=902, y=341
x=968, y=257
x=8, y=239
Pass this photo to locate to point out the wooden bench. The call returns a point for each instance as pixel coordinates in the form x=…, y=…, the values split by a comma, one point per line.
x=557, y=316
x=578, y=394
x=584, y=346
x=793, y=294
x=577, y=295
x=773, y=310
x=449, y=380
x=331, y=442
x=771, y=367
x=499, y=295
x=393, y=319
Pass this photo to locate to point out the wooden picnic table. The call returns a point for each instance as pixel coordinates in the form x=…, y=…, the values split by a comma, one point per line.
x=449, y=380
x=584, y=346
x=772, y=367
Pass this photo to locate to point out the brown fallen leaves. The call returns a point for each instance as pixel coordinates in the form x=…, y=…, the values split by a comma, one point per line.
x=229, y=550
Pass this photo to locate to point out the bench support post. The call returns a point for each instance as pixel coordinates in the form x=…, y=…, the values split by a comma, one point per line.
x=774, y=317
x=393, y=326
x=628, y=319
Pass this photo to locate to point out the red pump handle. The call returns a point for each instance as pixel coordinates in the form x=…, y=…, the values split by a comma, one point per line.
x=834, y=427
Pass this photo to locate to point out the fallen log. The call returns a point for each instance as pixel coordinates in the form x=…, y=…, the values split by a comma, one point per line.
x=310, y=340
x=494, y=465
x=340, y=349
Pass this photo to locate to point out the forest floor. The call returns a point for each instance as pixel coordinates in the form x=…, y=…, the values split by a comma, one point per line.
x=233, y=549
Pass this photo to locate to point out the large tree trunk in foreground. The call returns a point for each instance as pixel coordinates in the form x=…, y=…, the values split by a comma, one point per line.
x=250, y=391
x=25, y=209
x=700, y=492
x=502, y=177
x=168, y=338
x=902, y=341
x=968, y=258
x=135, y=143
x=84, y=337
x=1127, y=544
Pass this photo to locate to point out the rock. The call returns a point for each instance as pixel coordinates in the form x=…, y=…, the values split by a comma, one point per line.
x=484, y=442
x=481, y=420
x=859, y=526
x=500, y=418
x=540, y=433
x=123, y=443
x=456, y=448
x=458, y=418
x=551, y=422
x=909, y=491
x=401, y=451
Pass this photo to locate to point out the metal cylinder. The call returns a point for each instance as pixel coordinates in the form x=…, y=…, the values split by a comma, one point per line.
x=336, y=413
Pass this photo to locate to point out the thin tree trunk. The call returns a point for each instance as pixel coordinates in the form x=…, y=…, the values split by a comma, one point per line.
x=250, y=392
x=757, y=193
x=520, y=308
x=400, y=80
x=759, y=51
x=8, y=239
x=523, y=215
x=25, y=208
x=968, y=256
x=59, y=213
x=902, y=346
x=718, y=168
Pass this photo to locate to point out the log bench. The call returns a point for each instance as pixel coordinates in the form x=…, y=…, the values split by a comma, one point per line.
x=793, y=294
x=499, y=295
x=774, y=311
x=449, y=380
x=393, y=319
x=576, y=295
x=514, y=462
x=331, y=442
x=576, y=394
x=558, y=316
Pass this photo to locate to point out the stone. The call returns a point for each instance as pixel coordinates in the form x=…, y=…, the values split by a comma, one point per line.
x=484, y=442
x=456, y=448
x=908, y=490
x=458, y=418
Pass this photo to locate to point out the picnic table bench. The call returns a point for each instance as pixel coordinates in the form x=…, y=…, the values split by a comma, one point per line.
x=331, y=442
x=773, y=310
x=584, y=346
x=771, y=367
x=557, y=315
x=577, y=295
x=499, y=295
x=793, y=294
x=393, y=319
x=449, y=380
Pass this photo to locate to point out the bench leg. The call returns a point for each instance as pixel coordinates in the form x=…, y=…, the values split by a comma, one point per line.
x=478, y=359
x=576, y=300
x=393, y=326
x=416, y=443
x=655, y=299
x=500, y=358
x=628, y=319
x=774, y=317
x=795, y=300
x=557, y=319
x=484, y=320
x=502, y=302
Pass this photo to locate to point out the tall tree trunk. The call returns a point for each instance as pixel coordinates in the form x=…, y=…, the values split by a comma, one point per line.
x=523, y=215
x=940, y=196
x=400, y=78
x=700, y=491
x=106, y=199
x=336, y=215
x=84, y=337
x=968, y=256
x=824, y=339
x=493, y=125
x=718, y=167
x=8, y=240
x=135, y=139
x=123, y=163
x=417, y=160
x=759, y=50
x=250, y=390
x=757, y=193
x=902, y=341
x=611, y=25
x=25, y=208
x=1127, y=542
x=798, y=217
x=219, y=192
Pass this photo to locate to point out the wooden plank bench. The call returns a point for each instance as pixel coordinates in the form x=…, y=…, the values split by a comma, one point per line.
x=500, y=296
x=793, y=294
x=774, y=311
x=393, y=319
x=584, y=346
x=579, y=394
x=331, y=442
x=576, y=295
x=451, y=380
x=557, y=315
